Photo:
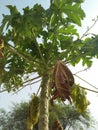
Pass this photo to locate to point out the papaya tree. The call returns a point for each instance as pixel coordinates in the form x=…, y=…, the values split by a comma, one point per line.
x=38, y=39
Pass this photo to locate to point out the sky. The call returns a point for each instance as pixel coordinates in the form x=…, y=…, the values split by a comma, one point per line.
x=91, y=9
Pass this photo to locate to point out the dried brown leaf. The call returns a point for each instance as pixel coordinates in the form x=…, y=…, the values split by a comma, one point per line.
x=63, y=81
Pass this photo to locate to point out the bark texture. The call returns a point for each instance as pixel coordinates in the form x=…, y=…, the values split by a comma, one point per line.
x=44, y=104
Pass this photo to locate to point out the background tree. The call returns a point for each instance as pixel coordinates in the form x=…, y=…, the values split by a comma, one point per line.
x=68, y=116
x=35, y=39
x=16, y=118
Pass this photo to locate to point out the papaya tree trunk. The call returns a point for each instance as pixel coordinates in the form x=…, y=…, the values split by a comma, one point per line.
x=44, y=104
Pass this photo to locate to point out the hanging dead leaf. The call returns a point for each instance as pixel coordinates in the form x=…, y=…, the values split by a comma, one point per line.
x=62, y=82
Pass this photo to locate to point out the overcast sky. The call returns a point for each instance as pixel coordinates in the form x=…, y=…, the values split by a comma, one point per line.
x=91, y=10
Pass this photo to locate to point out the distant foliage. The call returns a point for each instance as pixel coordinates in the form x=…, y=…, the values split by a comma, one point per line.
x=65, y=116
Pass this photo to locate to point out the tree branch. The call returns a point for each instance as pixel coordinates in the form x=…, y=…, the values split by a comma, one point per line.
x=4, y=90
x=19, y=54
x=31, y=79
x=81, y=71
x=89, y=28
x=86, y=81
x=89, y=89
x=39, y=50
x=27, y=85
